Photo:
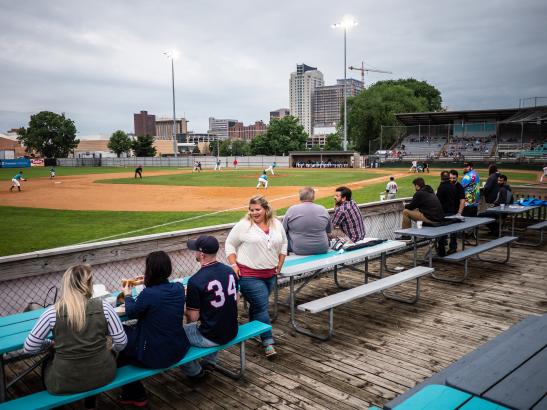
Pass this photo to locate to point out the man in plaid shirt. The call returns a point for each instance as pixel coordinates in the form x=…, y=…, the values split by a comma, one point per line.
x=347, y=215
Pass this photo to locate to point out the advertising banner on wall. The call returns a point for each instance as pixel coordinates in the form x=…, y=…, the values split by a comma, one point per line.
x=15, y=163
x=36, y=162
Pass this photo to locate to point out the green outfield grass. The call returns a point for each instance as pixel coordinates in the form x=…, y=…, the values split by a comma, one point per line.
x=6, y=174
x=245, y=178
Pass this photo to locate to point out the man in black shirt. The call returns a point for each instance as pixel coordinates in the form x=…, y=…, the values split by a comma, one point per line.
x=211, y=299
x=138, y=171
x=448, y=196
x=425, y=206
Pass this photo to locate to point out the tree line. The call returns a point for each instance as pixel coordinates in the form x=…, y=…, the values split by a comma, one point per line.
x=54, y=136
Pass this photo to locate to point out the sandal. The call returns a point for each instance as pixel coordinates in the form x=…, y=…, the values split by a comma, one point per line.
x=269, y=351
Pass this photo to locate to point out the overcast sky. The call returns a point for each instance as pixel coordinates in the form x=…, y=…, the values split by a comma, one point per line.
x=101, y=61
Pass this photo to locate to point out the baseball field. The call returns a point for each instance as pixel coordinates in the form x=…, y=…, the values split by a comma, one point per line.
x=91, y=204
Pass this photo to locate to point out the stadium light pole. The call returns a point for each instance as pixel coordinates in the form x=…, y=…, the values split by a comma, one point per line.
x=173, y=55
x=346, y=23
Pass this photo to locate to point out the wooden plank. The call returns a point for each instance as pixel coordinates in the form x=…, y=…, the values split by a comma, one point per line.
x=523, y=387
x=481, y=374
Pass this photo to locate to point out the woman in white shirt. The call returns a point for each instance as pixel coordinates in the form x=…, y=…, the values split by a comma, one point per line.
x=256, y=248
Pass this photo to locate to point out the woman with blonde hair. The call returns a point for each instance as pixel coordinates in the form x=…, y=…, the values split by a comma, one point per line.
x=256, y=248
x=80, y=325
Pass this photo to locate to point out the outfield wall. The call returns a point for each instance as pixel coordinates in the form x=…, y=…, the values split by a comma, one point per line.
x=207, y=162
x=27, y=277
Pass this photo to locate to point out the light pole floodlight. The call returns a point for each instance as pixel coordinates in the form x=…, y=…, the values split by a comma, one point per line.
x=173, y=54
x=346, y=23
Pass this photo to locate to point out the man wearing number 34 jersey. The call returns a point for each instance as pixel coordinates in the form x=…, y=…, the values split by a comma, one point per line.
x=211, y=303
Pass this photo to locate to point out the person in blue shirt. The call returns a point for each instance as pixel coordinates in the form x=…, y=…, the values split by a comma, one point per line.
x=211, y=304
x=51, y=173
x=16, y=181
x=262, y=180
x=471, y=186
x=158, y=340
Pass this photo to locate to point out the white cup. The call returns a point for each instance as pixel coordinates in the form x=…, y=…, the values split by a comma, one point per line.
x=419, y=224
x=502, y=206
x=382, y=197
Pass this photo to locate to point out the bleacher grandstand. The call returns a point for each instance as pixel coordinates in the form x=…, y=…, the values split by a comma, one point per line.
x=519, y=133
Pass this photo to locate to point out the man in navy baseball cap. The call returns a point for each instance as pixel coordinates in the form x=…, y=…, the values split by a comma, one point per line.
x=204, y=243
x=211, y=304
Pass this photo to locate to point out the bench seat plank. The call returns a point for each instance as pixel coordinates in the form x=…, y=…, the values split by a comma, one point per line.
x=485, y=372
x=128, y=374
x=525, y=386
x=339, y=298
x=434, y=397
x=538, y=226
x=483, y=247
x=476, y=403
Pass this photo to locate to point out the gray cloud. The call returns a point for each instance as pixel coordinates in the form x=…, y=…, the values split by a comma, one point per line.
x=99, y=62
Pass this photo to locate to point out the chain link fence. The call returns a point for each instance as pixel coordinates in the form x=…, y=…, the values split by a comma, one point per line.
x=32, y=278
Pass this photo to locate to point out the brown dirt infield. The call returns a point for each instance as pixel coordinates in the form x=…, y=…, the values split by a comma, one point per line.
x=82, y=193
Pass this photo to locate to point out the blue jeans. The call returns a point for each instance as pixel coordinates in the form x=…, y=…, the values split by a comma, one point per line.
x=196, y=339
x=257, y=292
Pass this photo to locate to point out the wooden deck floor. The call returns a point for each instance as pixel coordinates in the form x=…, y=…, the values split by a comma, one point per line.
x=380, y=348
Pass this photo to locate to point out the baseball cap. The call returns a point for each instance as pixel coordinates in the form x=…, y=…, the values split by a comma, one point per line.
x=204, y=243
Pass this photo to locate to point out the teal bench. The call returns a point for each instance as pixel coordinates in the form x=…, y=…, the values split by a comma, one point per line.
x=435, y=397
x=128, y=374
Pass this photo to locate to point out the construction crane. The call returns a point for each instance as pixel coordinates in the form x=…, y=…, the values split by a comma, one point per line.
x=362, y=69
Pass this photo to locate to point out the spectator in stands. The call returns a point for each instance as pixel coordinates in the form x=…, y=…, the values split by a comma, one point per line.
x=256, y=248
x=425, y=206
x=307, y=225
x=448, y=197
x=391, y=188
x=211, y=303
x=471, y=186
x=158, y=340
x=79, y=359
x=491, y=188
x=347, y=216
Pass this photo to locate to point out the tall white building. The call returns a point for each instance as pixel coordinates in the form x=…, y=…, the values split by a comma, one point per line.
x=220, y=127
x=302, y=85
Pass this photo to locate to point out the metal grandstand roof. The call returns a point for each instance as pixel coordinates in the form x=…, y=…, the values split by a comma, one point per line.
x=446, y=117
x=534, y=115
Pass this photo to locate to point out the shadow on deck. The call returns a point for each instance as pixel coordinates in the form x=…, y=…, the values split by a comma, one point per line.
x=380, y=348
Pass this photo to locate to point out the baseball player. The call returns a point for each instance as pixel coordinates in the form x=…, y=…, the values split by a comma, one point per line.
x=197, y=167
x=271, y=168
x=391, y=188
x=263, y=180
x=138, y=171
x=16, y=181
x=218, y=164
x=544, y=174
x=52, y=173
x=414, y=167
x=235, y=163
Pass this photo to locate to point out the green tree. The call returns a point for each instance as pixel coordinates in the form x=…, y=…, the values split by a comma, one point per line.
x=240, y=148
x=196, y=150
x=214, y=147
x=377, y=106
x=50, y=134
x=226, y=148
x=333, y=142
x=119, y=142
x=143, y=146
x=283, y=135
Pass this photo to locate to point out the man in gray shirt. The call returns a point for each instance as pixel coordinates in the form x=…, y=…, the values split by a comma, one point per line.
x=307, y=225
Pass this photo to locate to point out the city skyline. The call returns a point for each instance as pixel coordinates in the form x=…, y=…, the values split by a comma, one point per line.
x=100, y=63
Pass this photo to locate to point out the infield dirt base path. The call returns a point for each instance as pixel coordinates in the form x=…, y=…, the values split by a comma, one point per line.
x=82, y=193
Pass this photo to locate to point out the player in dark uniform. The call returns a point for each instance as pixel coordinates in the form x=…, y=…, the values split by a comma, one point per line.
x=211, y=304
x=138, y=171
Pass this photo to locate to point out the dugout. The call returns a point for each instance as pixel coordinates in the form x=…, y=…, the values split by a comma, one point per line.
x=324, y=159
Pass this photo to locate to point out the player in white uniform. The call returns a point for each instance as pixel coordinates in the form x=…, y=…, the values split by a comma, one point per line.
x=52, y=173
x=263, y=180
x=391, y=188
x=217, y=165
x=271, y=168
x=414, y=167
x=196, y=167
x=544, y=174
